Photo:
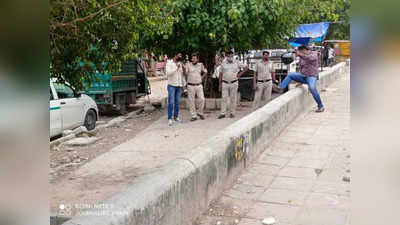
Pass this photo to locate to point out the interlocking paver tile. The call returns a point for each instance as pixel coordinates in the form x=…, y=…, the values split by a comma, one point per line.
x=298, y=184
x=298, y=172
x=283, y=196
x=244, y=191
x=282, y=213
x=318, y=216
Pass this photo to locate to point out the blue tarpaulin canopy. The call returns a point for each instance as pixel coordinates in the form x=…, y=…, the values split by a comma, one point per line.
x=306, y=32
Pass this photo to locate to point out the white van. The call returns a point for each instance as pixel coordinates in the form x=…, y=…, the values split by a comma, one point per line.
x=69, y=109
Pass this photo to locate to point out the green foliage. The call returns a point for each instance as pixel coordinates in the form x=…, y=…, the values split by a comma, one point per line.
x=210, y=25
x=341, y=30
x=86, y=33
x=336, y=11
x=207, y=26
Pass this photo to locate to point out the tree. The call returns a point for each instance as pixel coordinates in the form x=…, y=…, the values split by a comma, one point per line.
x=341, y=29
x=84, y=34
x=206, y=26
x=335, y=11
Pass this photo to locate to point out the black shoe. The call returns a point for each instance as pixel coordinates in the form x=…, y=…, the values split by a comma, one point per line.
x=321, y=109
x=193, y=119
x=231, y=116
x=201, y=116
x=221, y=116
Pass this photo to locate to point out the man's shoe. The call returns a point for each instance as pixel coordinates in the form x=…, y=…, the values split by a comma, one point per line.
x=178, y=120
x=221, y=116
x=170, y=122
x=193, y=119
x=232, y=116
x=321, y=109
x=201, y=116
x=279, y=90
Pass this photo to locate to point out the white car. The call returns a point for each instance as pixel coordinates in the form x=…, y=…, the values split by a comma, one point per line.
x=69, y=109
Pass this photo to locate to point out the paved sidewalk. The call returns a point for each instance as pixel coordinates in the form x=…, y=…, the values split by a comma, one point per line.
x=302, y=178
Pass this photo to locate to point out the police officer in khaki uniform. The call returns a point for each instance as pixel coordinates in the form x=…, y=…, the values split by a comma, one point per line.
x=193, y=72
x=262, y=81
x=228, y=83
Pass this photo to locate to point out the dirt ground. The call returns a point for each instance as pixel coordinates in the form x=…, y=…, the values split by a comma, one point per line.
x=64, y=159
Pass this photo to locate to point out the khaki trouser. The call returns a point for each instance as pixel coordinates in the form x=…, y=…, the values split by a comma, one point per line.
x=263, y=94
x=193, y=91
x=229, y=96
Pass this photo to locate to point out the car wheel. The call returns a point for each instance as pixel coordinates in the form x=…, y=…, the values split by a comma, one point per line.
x=90, y=120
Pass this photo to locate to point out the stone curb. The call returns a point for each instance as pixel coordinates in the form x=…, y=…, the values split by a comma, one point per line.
x=178, y=192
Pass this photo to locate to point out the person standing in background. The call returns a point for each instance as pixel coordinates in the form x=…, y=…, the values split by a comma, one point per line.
x=195, y=73
x=228, y=83
x=174, y=71
x=262, y=80
x=331, y=56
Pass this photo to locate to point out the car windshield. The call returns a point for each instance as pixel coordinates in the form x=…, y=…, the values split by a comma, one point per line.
x=63, y=91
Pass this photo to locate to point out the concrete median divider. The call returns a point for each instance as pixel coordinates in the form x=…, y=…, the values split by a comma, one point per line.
x=180, y=191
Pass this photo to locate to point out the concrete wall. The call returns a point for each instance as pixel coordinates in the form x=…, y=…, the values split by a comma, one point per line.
x=181, y=190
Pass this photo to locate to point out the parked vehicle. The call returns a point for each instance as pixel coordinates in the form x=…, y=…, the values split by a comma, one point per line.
x=114, y=92
x=70, y=109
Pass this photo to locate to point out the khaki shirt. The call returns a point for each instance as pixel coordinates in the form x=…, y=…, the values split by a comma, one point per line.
x=194, y=72
x=175, y=75
x=264, y=70
x=230, y=70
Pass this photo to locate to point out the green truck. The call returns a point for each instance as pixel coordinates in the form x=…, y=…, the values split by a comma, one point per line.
x=114, y=92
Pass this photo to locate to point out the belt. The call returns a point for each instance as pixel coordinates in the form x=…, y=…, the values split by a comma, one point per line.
x=229, y=82
x=262, y=81
x=194, y=84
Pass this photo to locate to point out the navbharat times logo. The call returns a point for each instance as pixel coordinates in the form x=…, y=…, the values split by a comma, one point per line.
x=65, y=210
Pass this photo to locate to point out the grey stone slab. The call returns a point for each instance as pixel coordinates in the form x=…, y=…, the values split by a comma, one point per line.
x=283, y=153
x=283, y=196
x=266, y=169
x=330, y=201
x=298, y=172
x=318, y=216
x=334, y=175
x=244, y=191
x=309, y=163
x=332, y=188
x=273, y=160
x=313, y=154
x=298, y=184
x=280, y=144
x=282, y=213
x=256, y=179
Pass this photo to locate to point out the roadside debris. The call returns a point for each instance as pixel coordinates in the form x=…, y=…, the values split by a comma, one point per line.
x=269, y=221
x=81, y=141
x=318, y=171
x=148, y=108
x=116, y=121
